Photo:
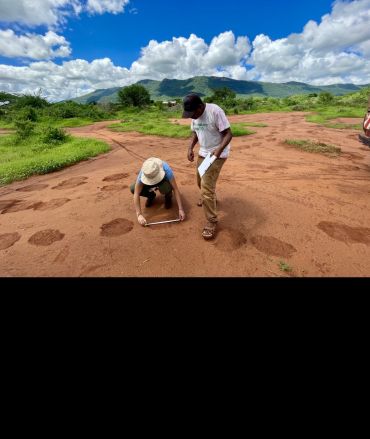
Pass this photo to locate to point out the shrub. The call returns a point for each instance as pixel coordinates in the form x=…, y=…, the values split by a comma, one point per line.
x=27, y=113
x=54, y=135
x=298, y=107
x=325, y=98
x=33, y=101
x=23, y=128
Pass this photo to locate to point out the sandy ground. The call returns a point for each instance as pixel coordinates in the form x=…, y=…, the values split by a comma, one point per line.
x=4, y=131
x=276, y=204
x=347, y=120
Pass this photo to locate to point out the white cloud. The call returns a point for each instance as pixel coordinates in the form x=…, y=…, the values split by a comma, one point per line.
x=335, y=50
x=65, y=81
x=52, y=13
x=102, y=6
x=38, y=12
x=33, y=46
x=185, y=57
x=179, y=58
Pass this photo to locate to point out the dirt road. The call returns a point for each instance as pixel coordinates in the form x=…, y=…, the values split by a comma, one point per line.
x=277, y=205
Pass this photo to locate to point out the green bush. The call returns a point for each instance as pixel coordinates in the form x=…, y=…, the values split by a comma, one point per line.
x=70, y=110
x=298, y=107
x=27, y=113
x=326, y=98
x=33, y=101
x=54, y=135
x=23, y=129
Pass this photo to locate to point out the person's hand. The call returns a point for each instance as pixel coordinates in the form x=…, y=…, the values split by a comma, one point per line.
x=141, y=220
x=182, y=215
x=190, y=155
x=217, y=154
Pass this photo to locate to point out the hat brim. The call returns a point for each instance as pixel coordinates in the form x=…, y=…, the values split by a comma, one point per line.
x=188, y=114
x=152, y=181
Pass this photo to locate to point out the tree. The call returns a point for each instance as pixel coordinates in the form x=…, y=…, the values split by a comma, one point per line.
x=325, y=98
x=222, y=94
x=134, y=96
x=34, y=101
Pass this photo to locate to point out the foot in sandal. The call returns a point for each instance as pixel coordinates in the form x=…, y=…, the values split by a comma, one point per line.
x=209, y=231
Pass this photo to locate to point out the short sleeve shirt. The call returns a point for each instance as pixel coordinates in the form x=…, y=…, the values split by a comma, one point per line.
x=208, y=129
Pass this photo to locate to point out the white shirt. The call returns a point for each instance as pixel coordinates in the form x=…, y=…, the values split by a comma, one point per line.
x=208, y=128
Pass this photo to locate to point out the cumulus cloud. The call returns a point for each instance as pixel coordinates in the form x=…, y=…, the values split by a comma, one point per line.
x=185, y=57
x=33, y=46
x=38, y=12
x=179, y=58
x=65, y=81
x=102, y=6
x=54, y=12
x=335, y=50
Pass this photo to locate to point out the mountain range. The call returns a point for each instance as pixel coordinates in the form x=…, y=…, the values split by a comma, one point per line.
x=204, y=85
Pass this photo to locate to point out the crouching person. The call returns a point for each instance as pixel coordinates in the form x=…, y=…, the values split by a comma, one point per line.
x=155, y=175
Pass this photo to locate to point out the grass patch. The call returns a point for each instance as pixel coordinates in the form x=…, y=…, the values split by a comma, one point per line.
x=72, y=122
x=6, y=125
x=315, y=147
x=158, y=125
x=239, y=129
x=284, y=267
x=324, y=115
x=20, y=160
x=344, y=126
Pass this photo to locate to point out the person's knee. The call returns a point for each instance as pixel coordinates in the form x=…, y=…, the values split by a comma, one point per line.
x=207, y=192
x=165, y=189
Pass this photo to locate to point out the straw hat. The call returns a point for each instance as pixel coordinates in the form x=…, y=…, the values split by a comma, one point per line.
x=152, y=171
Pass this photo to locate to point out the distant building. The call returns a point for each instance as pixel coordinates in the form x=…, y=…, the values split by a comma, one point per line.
x=169, y=103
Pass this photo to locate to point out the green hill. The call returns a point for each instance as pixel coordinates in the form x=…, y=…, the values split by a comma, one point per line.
x=203, y=85
x=4, y=96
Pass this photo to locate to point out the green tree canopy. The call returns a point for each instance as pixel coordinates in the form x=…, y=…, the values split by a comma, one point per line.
x=134, y=96
x=222, y=94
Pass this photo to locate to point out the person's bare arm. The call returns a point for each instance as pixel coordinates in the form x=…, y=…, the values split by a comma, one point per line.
x=227, y=135
x=140, y=217
x=178, y=199
x=194, y=141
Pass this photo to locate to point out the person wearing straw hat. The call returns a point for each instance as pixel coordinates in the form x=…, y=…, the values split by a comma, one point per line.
x=155, y=175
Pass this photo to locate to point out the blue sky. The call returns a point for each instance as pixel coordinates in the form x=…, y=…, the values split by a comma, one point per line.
x=70, y=47
x=120, y=37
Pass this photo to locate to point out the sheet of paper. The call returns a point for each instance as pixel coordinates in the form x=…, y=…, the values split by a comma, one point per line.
x=207, y=162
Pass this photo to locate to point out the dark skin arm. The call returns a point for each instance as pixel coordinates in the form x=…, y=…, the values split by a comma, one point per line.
x=227, y=135
x=193, y=142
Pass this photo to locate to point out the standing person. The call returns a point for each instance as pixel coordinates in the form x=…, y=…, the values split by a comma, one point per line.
x=212, y=130
x=366, y=126
x=155, y=175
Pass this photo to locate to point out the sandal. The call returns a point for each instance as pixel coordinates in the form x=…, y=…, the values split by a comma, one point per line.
x=209, y=231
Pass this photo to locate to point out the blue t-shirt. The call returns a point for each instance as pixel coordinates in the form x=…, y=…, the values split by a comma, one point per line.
x=168, y=173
